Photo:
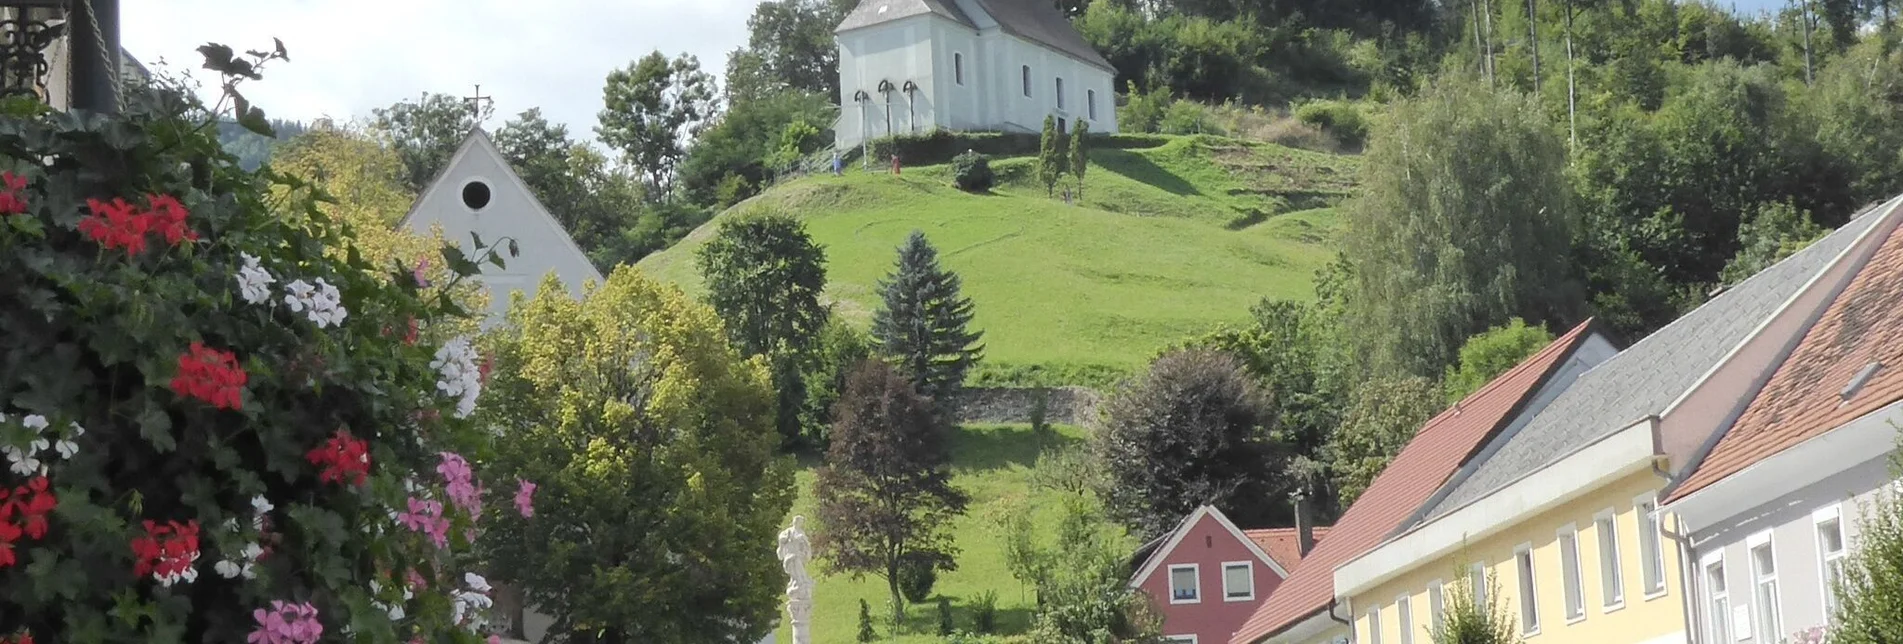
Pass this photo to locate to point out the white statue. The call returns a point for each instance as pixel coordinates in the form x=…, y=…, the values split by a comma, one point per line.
x=794, y=551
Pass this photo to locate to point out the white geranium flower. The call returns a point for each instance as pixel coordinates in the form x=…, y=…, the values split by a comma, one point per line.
x=327, y=305
x=254, y=283
x=476, y=582
x=77, y=430
x=457, y=374
x=228, y=569
x=35, y=422
x=22, y=462
x=66, y=448
x=297, y=295
x=261, y=505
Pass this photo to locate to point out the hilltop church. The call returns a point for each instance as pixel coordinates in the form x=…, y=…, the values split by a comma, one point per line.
x=909, y=66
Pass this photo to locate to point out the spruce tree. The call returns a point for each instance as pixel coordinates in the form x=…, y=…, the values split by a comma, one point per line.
x=923, y=324
x=1079, y=155
x=1050, y=156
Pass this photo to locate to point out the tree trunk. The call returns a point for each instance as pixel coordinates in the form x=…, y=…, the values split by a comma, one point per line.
x=1805, y=15
x=898, y=601
x=1533, y=40
x=1487, y=14
x=1572, y=88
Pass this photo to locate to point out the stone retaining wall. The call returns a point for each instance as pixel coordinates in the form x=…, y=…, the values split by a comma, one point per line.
x=1065, y=405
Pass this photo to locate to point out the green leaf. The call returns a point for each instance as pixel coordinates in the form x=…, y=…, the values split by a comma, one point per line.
x=477, y=237
x=280, y=49
x=253, y=120
x=217, y=57
x=459, y=263
x=155, y=426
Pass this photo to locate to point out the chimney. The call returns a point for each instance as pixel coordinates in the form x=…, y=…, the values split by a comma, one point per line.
x=1304, y=526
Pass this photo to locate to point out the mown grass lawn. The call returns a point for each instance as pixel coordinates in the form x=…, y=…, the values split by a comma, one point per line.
x=1167, y=243
x=993, y=464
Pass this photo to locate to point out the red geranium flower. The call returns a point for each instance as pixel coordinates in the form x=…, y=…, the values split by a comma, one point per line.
x=115, y=225
x=210, y=375
x=11, y=201
x=168, y=218
x=166, y=552
x=341, y=458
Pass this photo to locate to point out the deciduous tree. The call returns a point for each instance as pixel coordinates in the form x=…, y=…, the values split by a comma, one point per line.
x=425, y=133
x=1194, y=429
x=654, y=443
x=885, y=495
x=1384, y=417
x=923, y=325
x=1464, y=220
x=1491, y=353
x=654, y=107
x=764, y=276
x=594, y=200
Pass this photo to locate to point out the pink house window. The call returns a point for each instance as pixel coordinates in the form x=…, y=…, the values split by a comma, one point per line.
x=1185, y=584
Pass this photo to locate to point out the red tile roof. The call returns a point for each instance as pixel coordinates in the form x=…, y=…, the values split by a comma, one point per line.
x=1437, y=450
x=1802, y=400
x=1282, y=544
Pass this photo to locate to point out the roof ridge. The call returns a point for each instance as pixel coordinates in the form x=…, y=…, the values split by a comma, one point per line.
x=1564, y=342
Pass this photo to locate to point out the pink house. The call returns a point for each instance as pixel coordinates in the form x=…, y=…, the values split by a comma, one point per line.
x=1207, y=576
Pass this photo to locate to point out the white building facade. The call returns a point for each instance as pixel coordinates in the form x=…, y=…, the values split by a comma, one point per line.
x=911, y=66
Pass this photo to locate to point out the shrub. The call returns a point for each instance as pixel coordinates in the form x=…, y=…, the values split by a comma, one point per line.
x=1339, y=118
x=1142, y=111
x=1469, y=622
x=202, y=365
x=945, y=626
x=971, y=172
x=916, y=580
x=984, y=612
x=1188, y=117
x=866, y=634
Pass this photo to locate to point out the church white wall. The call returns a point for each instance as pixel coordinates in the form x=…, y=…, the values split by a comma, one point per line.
x=511, y=213
x=897, y=51
x=928, y=51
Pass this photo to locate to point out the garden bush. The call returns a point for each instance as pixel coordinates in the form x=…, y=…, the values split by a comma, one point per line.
x=1339, y=118
x=219, y=428
x=971, y=172
x=916, y=581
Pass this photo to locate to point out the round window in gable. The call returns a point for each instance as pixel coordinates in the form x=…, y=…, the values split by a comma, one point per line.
x=476, y=195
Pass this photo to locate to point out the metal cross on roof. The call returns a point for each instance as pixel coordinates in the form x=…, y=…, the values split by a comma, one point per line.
x=480, y=106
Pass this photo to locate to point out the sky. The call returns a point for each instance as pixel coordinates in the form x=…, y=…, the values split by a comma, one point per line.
x=348, y=57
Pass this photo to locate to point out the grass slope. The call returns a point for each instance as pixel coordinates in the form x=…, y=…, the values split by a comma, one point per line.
x=1168, y=242
x=993, y=464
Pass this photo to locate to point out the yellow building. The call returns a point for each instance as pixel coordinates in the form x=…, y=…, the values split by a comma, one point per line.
x=1560, y=513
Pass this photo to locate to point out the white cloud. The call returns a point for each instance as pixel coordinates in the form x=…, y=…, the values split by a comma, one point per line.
x=348, y=57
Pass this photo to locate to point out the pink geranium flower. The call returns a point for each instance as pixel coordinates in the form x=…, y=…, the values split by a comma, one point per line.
x=524, y=498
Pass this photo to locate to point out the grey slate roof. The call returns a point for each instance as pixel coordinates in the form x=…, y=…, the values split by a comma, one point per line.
x=1038, y=21
x=1649, y=375
x=872, y=12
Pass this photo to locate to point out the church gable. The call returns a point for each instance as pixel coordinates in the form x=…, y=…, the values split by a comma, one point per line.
x=477, y=192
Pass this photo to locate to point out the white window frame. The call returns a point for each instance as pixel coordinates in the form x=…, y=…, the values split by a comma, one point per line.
x=1770, y=615
x=1374, y=624
x=1245, y=565
x=1525, y=570
x=1027, y=81
x=1605, y=528
x=1651, y=563
x=1717, y=626
x=1194, y=569
x=958, y=67
x=1831, y=514
x=1404, y=616
x=1180, y=639
x=1436, y=605
x=1060, y=92
x=1572, y=580
x=1477, y=579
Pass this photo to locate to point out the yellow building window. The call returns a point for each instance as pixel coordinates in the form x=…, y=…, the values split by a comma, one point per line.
x=1529, y=595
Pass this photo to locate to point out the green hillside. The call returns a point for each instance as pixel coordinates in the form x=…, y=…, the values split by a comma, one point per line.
x=995, y=464
x=1168, y=241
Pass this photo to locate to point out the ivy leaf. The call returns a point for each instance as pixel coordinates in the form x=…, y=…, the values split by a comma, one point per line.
x=458, y=262
x=253, y=120
x=217, y=57
x=155, y=426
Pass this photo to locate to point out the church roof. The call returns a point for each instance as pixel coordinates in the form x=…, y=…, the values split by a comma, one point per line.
x=874, y=12
x=1038, y=21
